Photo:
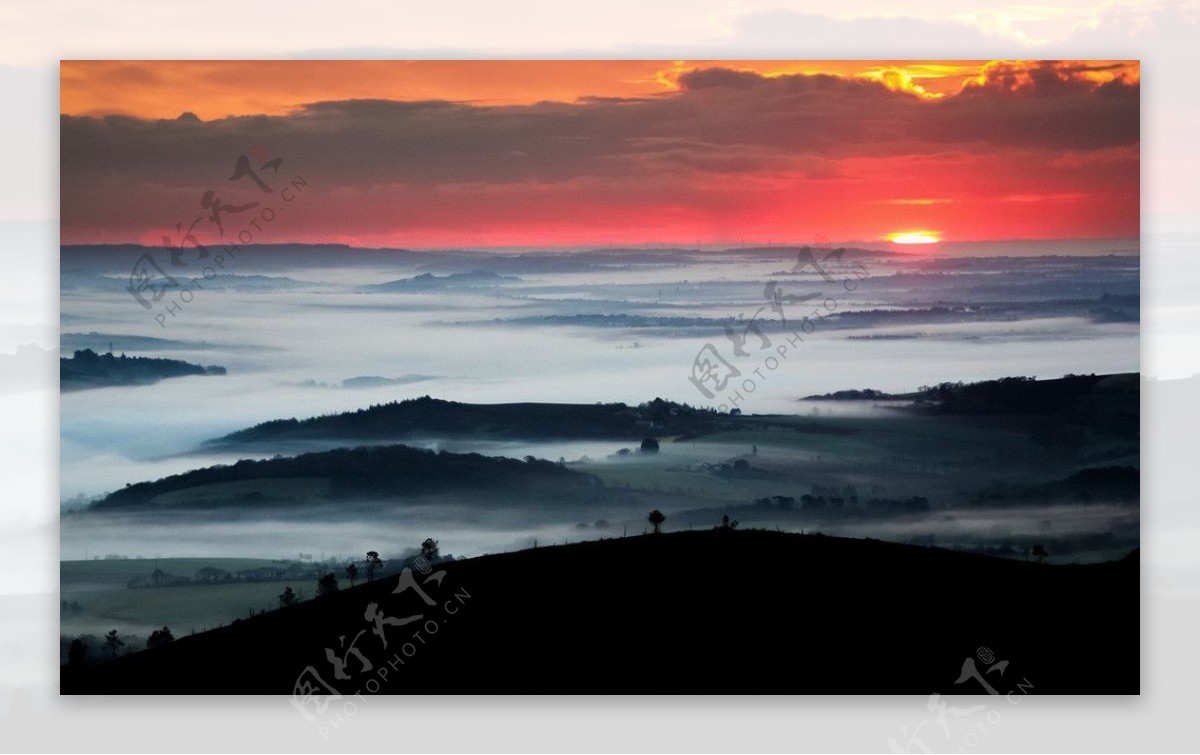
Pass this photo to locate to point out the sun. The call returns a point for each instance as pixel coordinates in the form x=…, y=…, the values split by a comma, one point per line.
x=914, y=237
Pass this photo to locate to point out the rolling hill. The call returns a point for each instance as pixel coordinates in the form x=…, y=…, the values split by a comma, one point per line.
x=363, y=473
x=719, y=611
x=427, y=416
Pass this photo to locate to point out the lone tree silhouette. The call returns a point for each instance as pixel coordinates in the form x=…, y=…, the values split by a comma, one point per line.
x=1040, y=553
x=287, y=597
x=656, y=518
x=160, y=637
x=649, y=446
x=113, y=643
x=373, y=563
x=327, y=585
x=429, y=549
x=352, y=572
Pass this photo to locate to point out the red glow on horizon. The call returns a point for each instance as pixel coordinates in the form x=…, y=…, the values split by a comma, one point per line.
x=543, y=154
x=910, y=238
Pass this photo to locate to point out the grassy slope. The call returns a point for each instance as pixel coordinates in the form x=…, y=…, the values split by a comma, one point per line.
x=184, y=609
x=691, y=612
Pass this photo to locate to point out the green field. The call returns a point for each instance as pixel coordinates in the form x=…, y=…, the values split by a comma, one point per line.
x=944, y=459
x=116, y=572
x=99, y=588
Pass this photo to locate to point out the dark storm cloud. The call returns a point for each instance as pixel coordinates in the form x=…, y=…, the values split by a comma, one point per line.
x=721, y=123
x=760, y=118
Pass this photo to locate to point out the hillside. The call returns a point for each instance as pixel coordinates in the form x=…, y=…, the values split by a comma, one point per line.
x=350, y=473
x=428, y=416
x=87, y=369
x=1010, y=395
x=430, y=282
x=716, y=611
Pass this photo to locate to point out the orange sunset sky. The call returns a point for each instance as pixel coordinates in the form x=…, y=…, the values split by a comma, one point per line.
x=427, y=154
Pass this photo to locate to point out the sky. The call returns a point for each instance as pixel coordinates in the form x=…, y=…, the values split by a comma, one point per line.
x=546, y=153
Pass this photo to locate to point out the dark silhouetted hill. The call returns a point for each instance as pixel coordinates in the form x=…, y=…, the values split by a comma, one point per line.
x=425, y=417
x=87, y=369
x=1057, y=410
x=1009, y=395
x=431, y=282
x=691, y=612
x=374, y=472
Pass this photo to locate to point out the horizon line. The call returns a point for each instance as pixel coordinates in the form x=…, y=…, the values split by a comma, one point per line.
x=880, y=245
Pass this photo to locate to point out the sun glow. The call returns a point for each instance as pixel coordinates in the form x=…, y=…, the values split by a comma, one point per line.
x=914, y=237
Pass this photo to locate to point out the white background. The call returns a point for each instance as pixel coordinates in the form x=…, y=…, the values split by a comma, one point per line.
x=35, y=34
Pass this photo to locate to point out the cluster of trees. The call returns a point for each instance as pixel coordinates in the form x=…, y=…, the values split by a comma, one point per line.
x=86, y=647
x=648, y=446
x=834, y=501
x=157, y=578
x=327, y=584
x=210, y=575
x=865, y=394
x=735, y=468
x=86, y=368
x=371, y=566
x=160, y=637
